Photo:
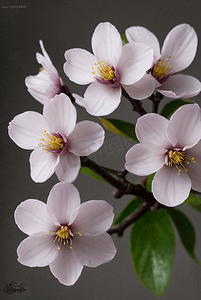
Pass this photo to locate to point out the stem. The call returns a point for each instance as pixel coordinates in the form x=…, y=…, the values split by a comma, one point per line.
x=156, y=98
x=137, y=105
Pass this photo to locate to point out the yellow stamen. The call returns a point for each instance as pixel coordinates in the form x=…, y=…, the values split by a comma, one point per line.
x=162, y=67
x=58, y=248
x=62, y=235
x=41, y=69
x=178, y=158
x=51, y=142
x=103, y=71
x=79, y=234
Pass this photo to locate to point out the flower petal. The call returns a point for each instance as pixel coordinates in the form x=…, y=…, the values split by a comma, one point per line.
x=106, y=44
x=181, y=45
x=63, y=200
x=94, y=218
x=142, y=162
x=31, y=217
x=42, y=164
x=37, y=250
x=93, y=251
x=65, y=267
x=142, y=88
x=78, y=99
x=60, y=115
x=169, y=188
x=26, y=129
x=184, y=128
x=135, y=60
x=100, y=100
x=68, y=168
x=86, y=138
x=78, y=66
x=194, y=168
x=151, y=130
x=180, y=86
x=143, y=35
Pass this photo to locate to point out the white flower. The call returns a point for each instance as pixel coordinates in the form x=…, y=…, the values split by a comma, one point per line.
x=56, y=139
x=111, y=67
x=172, y=149
x=178, y=51
x=65, y=234
x=47, y=83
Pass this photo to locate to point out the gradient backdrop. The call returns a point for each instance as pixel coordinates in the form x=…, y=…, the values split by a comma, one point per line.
x=63, y=25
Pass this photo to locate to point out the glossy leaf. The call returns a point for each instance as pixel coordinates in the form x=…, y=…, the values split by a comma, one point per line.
x=124, y=39
x=193, y=201
x=128, y=209
x=90, y=173
x=185, y=230
x=148, y=182
x=172, y=106
x=120, y=127
x=152, y=246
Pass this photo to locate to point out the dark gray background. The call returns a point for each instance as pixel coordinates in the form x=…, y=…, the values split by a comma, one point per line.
x=63, y=25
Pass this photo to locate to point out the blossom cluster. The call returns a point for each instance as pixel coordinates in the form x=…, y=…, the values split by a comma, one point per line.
x=65, y=234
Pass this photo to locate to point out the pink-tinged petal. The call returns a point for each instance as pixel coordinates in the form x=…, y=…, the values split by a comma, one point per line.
x=78, y=99
x=143, y=35
x=94, y=218
x=78, y=66
x=86, y=138
x=142, y=162
x=60, y=115
x=42, y=164
x=194, y=168
x=135, y=60
x=38, y=250
x=65, y=267
x=142, y=88
x=26, y=129
x=151, y=130
x=180, y=86
x=101, y=100
x=106, y=44
x=63, y=200
x=184, y=128
x=31, y=217
x=169, y=188
x=181, y=45
x=93, y=251
x=68, y=168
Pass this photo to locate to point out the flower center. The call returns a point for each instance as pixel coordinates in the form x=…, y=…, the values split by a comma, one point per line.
x=103, y=71
x=51, y=143
x=179, y=159
x=62, y=235
x=162, y=70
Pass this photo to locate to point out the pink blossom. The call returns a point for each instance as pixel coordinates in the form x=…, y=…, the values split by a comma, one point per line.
x=57, y=140
x=47, y=83
x=172, y=149
x=178, y=52
x=65, y=234
x=111, y=67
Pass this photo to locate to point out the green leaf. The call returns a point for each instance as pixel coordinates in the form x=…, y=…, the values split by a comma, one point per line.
x=148, y=182
x=124, y=39
x=152, y=246
x=90, y=173
x=128, y=209
x=193, y=201
x=120, y=127
x=172, y=106
x=185, y=230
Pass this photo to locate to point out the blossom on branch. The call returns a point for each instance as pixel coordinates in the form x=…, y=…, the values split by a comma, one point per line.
x=108, y=69
x=65, y=234
x=47, y=83
x=172, y=149
x=57, y=140
x=178, y=52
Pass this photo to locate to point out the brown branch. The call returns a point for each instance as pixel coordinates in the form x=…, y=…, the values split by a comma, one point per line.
x=136, y=104
x=156, y=98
